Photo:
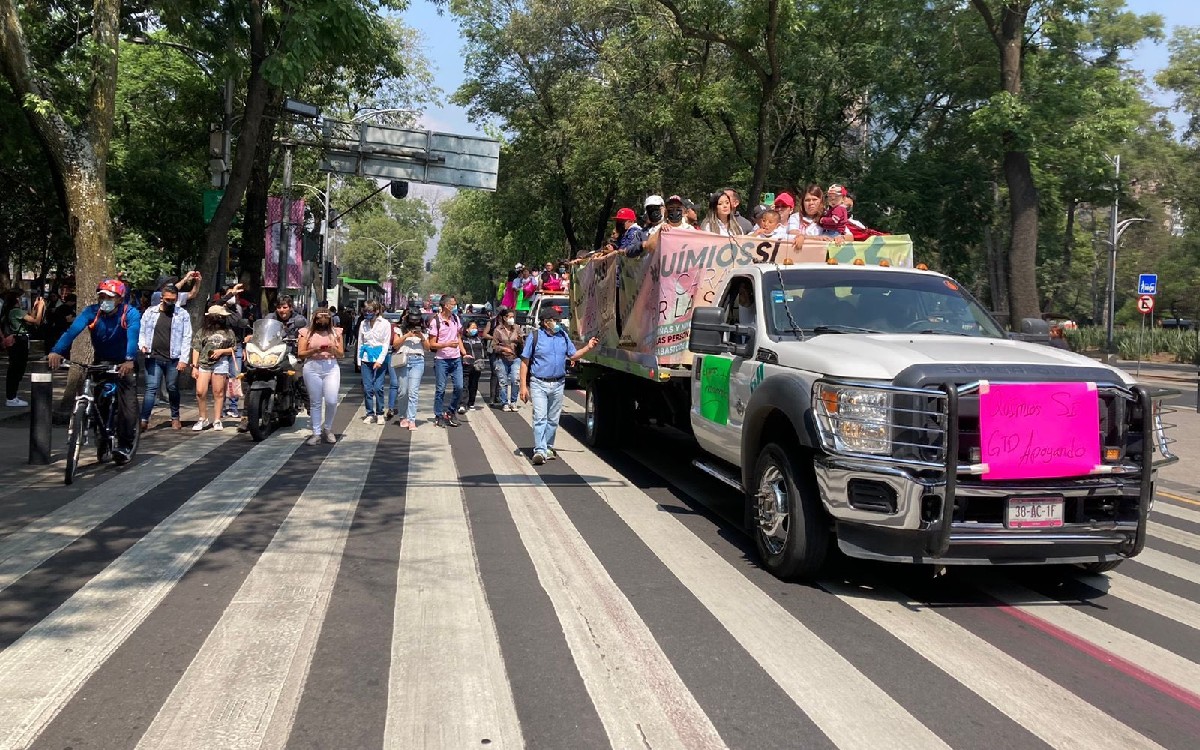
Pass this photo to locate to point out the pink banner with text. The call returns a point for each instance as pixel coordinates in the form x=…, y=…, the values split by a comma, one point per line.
x=274, y=240
x=1039, y=430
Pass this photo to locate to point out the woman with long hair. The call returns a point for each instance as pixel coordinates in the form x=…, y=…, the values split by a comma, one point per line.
x=321, y=346
x=414, y=345
x=212, y=364
x=15, y=322
x=719, y=219
x=812, y=207
x=374, y=358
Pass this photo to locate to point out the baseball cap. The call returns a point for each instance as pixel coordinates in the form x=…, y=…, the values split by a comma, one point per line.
x=654, y=200
x=219, y=310
x=675, y=199
x=111, y=287
x=626, y=214
x=784, y=199
x=518, y=267
x=551, y=311
x=836, y=188
x=758, y=211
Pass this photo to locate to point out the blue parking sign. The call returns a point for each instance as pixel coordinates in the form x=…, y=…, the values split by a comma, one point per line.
x=1148, y=283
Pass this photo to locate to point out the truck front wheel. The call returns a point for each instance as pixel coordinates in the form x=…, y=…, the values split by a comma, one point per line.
x=600, y=414
x=786, y=511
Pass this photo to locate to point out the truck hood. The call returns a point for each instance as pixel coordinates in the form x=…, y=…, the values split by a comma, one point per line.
x=883, y=356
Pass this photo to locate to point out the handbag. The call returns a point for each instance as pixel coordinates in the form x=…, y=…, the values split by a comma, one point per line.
x=234, y=388
x=400, y=358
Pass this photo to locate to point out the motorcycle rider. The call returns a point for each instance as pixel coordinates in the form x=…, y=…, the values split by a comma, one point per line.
x=292, y=321
x=114, y=326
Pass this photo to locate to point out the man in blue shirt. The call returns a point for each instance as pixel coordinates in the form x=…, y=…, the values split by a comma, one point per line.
x=114, y=326
x=543, y=375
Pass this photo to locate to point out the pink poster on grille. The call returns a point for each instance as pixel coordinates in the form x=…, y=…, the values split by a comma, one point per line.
x=1039, y=430
x=274, y=241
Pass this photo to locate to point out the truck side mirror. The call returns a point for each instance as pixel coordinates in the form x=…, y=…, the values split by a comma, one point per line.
x=708, y=331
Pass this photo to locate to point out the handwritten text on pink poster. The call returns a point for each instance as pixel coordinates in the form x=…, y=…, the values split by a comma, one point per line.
x=1039, y=430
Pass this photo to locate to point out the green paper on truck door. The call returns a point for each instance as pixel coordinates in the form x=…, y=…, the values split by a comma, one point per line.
x=714, y=389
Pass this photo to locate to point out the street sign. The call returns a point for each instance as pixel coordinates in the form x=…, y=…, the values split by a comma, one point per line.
x=416, y=156
x=1148, y=283
x=1145, y=304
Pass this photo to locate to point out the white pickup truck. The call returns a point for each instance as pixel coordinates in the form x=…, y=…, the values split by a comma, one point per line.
x=882, y=409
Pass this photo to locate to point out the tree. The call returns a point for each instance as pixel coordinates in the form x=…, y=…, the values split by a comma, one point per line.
x=390, y=244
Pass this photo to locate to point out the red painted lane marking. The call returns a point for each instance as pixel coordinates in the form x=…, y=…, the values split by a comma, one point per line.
x=1124, y=666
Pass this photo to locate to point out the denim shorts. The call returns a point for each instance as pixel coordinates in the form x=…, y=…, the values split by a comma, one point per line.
x=223, y=366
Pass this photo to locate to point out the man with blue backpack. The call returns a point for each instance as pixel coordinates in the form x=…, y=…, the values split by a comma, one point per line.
x=114, y=325
x=544, y=375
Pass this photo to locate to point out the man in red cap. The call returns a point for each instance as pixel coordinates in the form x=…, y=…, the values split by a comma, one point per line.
x=629, y=235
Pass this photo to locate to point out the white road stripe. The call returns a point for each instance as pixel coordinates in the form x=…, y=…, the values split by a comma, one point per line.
x=448, y=686
x=1174, y=511
x=640, y=698
x=1174, y=535
x=45, y=667
x=1164, y=603
x=814, y=675
x=1169, y=564
x=1017, y=690
x=243, y=687
x=32, y=545
x=1149, y=656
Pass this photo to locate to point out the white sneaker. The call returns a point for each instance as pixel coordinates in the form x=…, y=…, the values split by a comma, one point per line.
x=200, y=425
x=462, y=410
x=16, y=402
x=369, y=419
x=218, y=426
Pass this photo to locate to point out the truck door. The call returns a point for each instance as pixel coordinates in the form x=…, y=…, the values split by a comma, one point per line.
x=721, y=383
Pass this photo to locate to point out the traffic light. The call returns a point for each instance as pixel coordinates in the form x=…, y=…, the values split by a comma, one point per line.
x=231, y=260
x=399, y=189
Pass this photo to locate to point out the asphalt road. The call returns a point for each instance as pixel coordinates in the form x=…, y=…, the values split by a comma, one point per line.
x=433, y=589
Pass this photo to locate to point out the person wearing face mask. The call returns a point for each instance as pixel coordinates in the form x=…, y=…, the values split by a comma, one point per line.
x=654, y=211
x=165, y=334
x=212, y=364
x=321, y=345
x=446, y=342
x=114, y=327
x=675, y=218
x=543, y=376
x=374, y=348
x=472, y=363
x=629, y=236
x=507, y=342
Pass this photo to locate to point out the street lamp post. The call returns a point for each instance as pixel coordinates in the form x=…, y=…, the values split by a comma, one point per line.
x=1115, y=230
x=390, y=249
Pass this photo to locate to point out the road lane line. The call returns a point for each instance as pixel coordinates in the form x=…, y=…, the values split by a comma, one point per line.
x=1180, y=498
x=243, y=687
x=30, y=546
x=447, y=686
x=1169, y=564
x=1160, y=602
x=1159, y=668
x=1173, y=535
x=1174, y=511
x=641, y=699
x=45, y=667
x=814, y=675
x=1019, y=691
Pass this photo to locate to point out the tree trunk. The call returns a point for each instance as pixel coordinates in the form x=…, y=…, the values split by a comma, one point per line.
x=216, y=238
x=1022, y=254
x=254, y=217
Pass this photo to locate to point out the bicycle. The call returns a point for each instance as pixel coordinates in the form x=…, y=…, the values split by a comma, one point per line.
x=94, y=418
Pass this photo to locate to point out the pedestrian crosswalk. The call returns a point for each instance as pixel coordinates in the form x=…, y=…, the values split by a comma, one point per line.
x=433, y=589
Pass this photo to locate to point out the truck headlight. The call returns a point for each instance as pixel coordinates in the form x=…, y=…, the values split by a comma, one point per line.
x=856, y=420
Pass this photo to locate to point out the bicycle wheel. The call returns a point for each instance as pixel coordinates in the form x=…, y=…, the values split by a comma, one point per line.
x=76, y=437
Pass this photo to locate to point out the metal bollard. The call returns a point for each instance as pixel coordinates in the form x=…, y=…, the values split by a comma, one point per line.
x=41, y=404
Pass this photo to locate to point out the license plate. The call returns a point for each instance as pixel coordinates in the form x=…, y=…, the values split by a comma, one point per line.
x=1034, y=513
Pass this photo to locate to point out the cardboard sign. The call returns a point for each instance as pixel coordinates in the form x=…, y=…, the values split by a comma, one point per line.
x=1039, y=430
x=714, y=389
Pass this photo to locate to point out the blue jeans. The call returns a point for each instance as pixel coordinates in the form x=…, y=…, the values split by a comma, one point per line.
x=547, y=398
x=372, y=380
x=412, y=375
x=394, y=376
x=443, y=370
x=231, y=402
x=156, y=370
x=509, y=374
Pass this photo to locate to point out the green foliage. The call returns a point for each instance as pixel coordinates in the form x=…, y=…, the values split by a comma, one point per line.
x=141, y=263
x=390, y=244
x=474, y=254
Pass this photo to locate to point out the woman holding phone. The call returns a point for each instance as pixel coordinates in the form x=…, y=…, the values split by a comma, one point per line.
x=321, y=346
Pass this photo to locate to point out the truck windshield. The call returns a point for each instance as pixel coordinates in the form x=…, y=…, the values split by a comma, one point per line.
x=827, y=300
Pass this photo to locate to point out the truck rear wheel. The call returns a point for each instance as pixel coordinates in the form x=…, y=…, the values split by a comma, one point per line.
x=600, y=414
x=785, y=508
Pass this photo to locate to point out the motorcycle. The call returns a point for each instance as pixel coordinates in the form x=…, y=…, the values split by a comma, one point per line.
x=271, y=380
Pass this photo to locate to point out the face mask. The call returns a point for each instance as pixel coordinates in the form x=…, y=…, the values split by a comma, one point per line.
x=215, y=321
x=654, y=214
x=674, y=215
x=454, y=310
x=108, y=305
x=562, y=269
x=369, y=316
x=510, y=321
x=472, y=332
x=558, y=327
x=168, y=307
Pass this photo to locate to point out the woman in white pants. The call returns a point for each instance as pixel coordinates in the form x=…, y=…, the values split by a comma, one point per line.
x=321, y=346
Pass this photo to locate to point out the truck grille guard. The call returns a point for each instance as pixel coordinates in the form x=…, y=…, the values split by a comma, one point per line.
x=924, y=430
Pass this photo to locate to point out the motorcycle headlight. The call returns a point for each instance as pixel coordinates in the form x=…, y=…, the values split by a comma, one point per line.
x=268, y=358
x=854, y=420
